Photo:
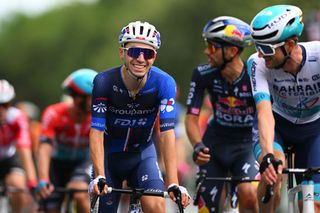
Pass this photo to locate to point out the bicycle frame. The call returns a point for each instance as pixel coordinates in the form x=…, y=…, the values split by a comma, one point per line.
x=306, y=187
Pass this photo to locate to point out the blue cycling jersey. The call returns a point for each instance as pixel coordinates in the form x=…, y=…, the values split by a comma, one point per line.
x=128, y=122
x=233, y=104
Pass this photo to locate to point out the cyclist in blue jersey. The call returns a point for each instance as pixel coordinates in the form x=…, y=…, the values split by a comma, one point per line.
x=227, y=142
x=285, y=79
x=126, y=101
x=63, y=156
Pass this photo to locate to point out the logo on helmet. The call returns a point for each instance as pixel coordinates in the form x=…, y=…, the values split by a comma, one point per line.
x=231, y=31
x=140, y=38
x=277, y=20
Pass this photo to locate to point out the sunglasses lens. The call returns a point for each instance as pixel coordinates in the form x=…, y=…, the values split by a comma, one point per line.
x=213, y=44
x=265, y=49
x=135, y=52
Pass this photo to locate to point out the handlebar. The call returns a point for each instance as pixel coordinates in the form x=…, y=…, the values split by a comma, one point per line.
x=142, y=191
x=203, y=177
x=137, y=193
x=307, y=172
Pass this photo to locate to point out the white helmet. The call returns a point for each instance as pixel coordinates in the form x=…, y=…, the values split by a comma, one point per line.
x=141, y=32
x=6, y=92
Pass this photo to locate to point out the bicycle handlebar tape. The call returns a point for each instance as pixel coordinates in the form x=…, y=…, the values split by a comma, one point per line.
x=199, y=182
x=101, y=183
x=177, y=194
x=267, y=159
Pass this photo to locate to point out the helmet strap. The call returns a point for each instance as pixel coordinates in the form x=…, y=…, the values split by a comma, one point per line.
x=225, y=61
x=286, y=57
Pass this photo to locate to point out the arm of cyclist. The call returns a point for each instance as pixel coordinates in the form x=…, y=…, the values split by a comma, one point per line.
x=24, y=145
x=168, y=149
x=44, y=188
x=28, y=165
x=97, y=157
x=200, y=151
x=266, y=124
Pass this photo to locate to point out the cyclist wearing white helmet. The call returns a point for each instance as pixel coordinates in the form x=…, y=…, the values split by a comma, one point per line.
x=63, y=159
x=227, y=143
x=285, y=81
x=126, y=102
x=16, y=163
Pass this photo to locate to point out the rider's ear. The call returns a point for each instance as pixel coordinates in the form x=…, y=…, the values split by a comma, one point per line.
x=121, y=53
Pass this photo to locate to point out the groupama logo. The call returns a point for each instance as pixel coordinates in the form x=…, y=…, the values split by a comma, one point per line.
x=167, y=105
x=100, y=108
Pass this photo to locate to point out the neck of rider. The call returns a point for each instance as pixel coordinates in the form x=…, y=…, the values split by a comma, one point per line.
x=132, y=82
x=233, y=65
x=294, y=56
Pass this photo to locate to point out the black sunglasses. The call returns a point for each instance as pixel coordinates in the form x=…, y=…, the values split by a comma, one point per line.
x=135, y=52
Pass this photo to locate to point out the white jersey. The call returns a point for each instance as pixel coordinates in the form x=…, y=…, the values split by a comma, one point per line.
x=296, y=98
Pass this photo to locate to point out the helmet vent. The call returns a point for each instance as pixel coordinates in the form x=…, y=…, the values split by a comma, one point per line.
x=133, y=30
x=262, y=37
x=290, y=22
x=255, y=28
x=148, y=33
x=141, y=30
x=218, y=29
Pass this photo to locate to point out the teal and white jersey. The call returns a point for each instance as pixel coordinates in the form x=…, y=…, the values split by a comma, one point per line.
x=296, y=98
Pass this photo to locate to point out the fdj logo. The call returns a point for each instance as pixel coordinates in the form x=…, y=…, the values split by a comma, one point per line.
x=128, y=122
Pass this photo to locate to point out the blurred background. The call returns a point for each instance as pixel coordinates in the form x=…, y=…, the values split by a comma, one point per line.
x=42, y=41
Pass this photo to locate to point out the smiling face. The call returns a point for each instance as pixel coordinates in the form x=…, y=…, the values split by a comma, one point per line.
x=138, y=61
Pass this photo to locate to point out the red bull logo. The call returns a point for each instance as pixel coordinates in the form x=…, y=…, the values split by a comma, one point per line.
x=232, y=102
x=231, y=31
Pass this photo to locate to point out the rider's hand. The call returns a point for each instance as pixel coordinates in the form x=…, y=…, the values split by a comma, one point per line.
x=201, y=154
x=270, y=167
x=175, y=190
x=98, y=186
x=32, y=185
x=44, y=189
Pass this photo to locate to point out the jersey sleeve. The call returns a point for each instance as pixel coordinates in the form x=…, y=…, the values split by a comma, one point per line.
x=196, y=93
x=99, y=102
x=167, y=95
x=258, y=78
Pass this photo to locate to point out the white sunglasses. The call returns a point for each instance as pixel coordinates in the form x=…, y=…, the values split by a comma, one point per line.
x=267, y=49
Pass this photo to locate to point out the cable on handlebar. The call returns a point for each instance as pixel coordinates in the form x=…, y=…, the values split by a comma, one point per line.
x=269, y=193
